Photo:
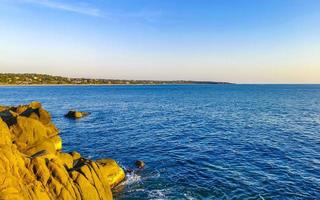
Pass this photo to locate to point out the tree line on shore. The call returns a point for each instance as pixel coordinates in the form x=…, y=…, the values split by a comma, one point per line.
x=38, y=79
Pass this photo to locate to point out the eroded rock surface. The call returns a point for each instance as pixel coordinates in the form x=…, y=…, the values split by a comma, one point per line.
x=33, y=166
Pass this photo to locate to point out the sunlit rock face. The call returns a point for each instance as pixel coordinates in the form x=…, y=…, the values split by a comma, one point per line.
x=33, y=166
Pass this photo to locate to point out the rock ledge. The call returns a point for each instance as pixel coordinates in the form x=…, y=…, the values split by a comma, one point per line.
x=33, y=165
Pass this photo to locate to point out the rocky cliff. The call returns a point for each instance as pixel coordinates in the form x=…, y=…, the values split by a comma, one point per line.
x=33, y=165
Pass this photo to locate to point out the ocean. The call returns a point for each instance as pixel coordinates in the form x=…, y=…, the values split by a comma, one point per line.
x=198, y=141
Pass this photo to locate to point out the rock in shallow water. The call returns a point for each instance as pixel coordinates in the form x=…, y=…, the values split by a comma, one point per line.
x=139, y=164
x=32, y=165
x=72, y=114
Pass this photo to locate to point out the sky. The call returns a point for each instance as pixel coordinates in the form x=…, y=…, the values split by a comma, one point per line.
x=240, y=41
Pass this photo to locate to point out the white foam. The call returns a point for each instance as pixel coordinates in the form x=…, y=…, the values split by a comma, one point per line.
x=153, y=175
x=131, y=178
x=188, y=196
x=157, y=194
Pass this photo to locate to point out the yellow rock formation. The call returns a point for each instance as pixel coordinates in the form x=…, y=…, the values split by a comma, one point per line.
x=33, y=166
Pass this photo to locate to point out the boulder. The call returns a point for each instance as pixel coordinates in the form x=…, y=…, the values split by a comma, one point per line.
x=72, y=114
x=34, y=166
x=139, y=164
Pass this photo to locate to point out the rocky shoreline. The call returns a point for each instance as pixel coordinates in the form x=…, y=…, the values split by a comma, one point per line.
x=33, y=165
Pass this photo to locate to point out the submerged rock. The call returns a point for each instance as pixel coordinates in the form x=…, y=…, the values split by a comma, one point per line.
x=76, y=114
x=33, y=166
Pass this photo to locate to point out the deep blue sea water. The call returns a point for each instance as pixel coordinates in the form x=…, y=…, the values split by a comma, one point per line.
x=198, y=141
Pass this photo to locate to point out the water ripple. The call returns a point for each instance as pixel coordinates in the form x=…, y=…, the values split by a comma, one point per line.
x=198, y=142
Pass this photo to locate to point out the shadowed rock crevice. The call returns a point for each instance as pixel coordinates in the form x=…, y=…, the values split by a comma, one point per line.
x=33, y=165
x=8, y=117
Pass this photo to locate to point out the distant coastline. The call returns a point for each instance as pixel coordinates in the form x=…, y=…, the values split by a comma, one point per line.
x=102, y=84
x=26, y=79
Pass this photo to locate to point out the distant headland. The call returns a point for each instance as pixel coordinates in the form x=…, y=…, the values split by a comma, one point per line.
x=44, y=79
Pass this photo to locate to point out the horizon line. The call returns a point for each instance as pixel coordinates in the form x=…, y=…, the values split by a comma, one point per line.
x=158, y=80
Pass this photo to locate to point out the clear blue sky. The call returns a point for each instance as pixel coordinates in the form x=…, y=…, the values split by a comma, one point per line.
x=243, y=41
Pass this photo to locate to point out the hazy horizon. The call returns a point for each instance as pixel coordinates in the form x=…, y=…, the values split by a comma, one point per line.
x=244, y=41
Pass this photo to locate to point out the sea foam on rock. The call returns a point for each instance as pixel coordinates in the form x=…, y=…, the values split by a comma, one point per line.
x=33, y=166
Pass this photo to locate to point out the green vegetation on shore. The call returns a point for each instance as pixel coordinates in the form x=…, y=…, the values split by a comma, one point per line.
x=43, y=79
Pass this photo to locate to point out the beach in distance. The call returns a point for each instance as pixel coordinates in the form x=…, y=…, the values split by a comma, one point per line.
x=197, y=141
